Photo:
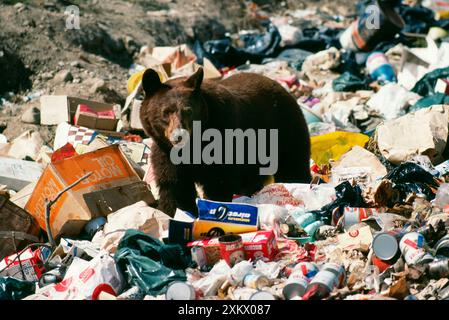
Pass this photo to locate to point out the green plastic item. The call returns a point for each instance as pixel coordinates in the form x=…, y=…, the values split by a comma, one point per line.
x=435, y=99
x=302, y=240
x=15, y=289
x=149, y=264
x=349, y=82
x=426, y=85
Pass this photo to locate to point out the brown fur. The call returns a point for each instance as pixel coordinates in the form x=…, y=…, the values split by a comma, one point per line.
x=241, y=101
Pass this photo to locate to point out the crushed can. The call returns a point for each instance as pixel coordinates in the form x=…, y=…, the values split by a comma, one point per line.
x=442, y=246
x=412, y=248
x=255, y=280
x=338, y=270
x=295, y=285
x=439, y=269
x=379, y=68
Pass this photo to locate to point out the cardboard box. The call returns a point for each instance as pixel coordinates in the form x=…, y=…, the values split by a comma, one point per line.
x=14, y=218
x=110, y=169
x=32, y=266
x=218, y=218
x=57, y=109
x=17, y=174
x=260, y=245
x=257, y=245
x=88, y=117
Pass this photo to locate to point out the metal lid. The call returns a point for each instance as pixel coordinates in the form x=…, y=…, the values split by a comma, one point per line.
x=262, y=295
x=385, y=246
x=180, y=291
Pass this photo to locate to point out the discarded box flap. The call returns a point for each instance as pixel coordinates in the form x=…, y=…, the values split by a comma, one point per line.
x=110, y=168
x=14, y=218
x=21, y=198
x=17, y=174
x=104, y=202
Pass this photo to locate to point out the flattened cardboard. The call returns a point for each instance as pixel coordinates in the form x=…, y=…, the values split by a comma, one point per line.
x=17, y=174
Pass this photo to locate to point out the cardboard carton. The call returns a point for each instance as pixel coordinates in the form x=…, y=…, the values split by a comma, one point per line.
x=110, y=168
x=57, y=109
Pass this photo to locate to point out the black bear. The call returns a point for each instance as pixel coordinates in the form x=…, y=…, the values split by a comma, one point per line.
x=240, y=102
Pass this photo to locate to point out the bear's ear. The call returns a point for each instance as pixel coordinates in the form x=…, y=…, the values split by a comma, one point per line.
x=151, y=82
x=195, y=80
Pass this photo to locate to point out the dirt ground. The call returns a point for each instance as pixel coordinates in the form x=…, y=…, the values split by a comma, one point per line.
x=39, y=55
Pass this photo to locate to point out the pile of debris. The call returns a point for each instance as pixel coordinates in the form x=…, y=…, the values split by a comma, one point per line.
x=78, y=218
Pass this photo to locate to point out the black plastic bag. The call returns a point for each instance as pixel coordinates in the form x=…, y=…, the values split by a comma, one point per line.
x=150, y=264
x=409, y=172
x=347, y=196
x=14, y=289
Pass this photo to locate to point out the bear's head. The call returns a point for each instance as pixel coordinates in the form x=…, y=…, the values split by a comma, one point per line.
x=169, y=108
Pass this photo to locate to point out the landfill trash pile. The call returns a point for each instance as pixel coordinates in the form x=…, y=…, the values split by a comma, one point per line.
x=79, y=217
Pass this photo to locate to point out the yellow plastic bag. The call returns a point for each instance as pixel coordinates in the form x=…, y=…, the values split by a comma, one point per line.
x=333, y=145
x=136, y=78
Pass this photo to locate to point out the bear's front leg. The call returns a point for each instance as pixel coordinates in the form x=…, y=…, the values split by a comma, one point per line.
x=176, y=187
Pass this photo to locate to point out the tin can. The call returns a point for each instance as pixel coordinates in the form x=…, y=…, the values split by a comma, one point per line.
x=382, y=265
x=356, y=215
x=439, y=269
x=364, y=36
x=262, y=295
x=386, y=245
x=178, y=290
x=255, y=280
x=442, y=246
x=231, y=248
x=325, y=278
x=308, y=269
x=295, y=285
x=338, y=270
x=412, y=247
x=379, y=68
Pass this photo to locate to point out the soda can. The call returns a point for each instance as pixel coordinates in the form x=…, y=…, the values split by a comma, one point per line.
x=379, y=68
x=386, y=245
x=308, y=269
x=255, y=280
x=326, y=278
x=356, y=215
x=439, y=269
x=231, y=248
x=338, y=270
x=295, y=285
x=178, y=290
x=442, y=246
x=412, y=247
x=262, y=295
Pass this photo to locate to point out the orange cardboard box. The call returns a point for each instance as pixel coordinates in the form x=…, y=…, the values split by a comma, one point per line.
x=110, y=169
